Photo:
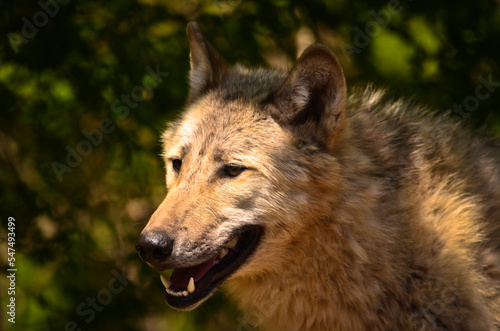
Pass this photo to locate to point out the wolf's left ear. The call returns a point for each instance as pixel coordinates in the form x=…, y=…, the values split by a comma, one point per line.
x=311, y=102
x=207, y=65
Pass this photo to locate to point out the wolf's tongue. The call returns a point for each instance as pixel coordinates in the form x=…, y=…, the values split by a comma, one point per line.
x=180, y=277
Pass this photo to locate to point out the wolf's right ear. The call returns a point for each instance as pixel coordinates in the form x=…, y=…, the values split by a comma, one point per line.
x=207, y=65
x=311, y=102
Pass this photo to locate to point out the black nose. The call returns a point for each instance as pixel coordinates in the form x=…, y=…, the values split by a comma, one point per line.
x=154, y=247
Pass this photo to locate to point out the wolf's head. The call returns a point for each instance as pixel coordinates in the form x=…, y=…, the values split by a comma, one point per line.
x=244, y=167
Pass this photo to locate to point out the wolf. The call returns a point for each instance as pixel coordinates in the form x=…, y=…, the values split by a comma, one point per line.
x=323, y=211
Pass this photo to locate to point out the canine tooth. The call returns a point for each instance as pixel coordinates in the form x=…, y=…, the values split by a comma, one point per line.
x=223, y=252
x=165, y=281
x=191, y=286
x=232, y=242
x=185, y=293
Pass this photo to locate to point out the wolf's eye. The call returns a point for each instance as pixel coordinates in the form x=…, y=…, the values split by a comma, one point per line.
x=176, y=164
x=233, y=170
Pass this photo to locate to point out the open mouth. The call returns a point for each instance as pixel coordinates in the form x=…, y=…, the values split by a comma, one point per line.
x=189, y=286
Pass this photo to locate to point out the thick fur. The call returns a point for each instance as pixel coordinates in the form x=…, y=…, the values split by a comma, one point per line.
x=376, y=215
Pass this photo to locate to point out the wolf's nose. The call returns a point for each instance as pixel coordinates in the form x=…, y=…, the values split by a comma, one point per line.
x=154, y=247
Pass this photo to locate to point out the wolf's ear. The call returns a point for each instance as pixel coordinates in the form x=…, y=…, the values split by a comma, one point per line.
x=207, y=65
x=311, y=102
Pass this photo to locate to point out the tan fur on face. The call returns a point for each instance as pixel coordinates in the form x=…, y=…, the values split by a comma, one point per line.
x=375, y=215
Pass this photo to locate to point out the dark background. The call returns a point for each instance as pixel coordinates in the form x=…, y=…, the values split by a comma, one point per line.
x=76, y=232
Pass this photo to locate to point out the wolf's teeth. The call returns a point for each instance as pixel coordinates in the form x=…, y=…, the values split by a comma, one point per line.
x=223, y=252
x=185, y=293
x=191, y=286
x=232, y=243
x=177, y=294
x=165, y=281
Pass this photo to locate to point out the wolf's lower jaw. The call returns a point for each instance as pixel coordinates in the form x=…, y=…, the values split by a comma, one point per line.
x=190, y=286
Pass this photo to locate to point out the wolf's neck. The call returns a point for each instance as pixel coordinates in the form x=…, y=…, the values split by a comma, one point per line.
x=326, y=277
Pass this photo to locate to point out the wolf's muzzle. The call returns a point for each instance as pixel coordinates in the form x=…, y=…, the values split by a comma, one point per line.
x=154, y=248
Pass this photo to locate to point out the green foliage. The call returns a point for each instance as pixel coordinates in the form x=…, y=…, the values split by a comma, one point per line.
x=74, y=230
